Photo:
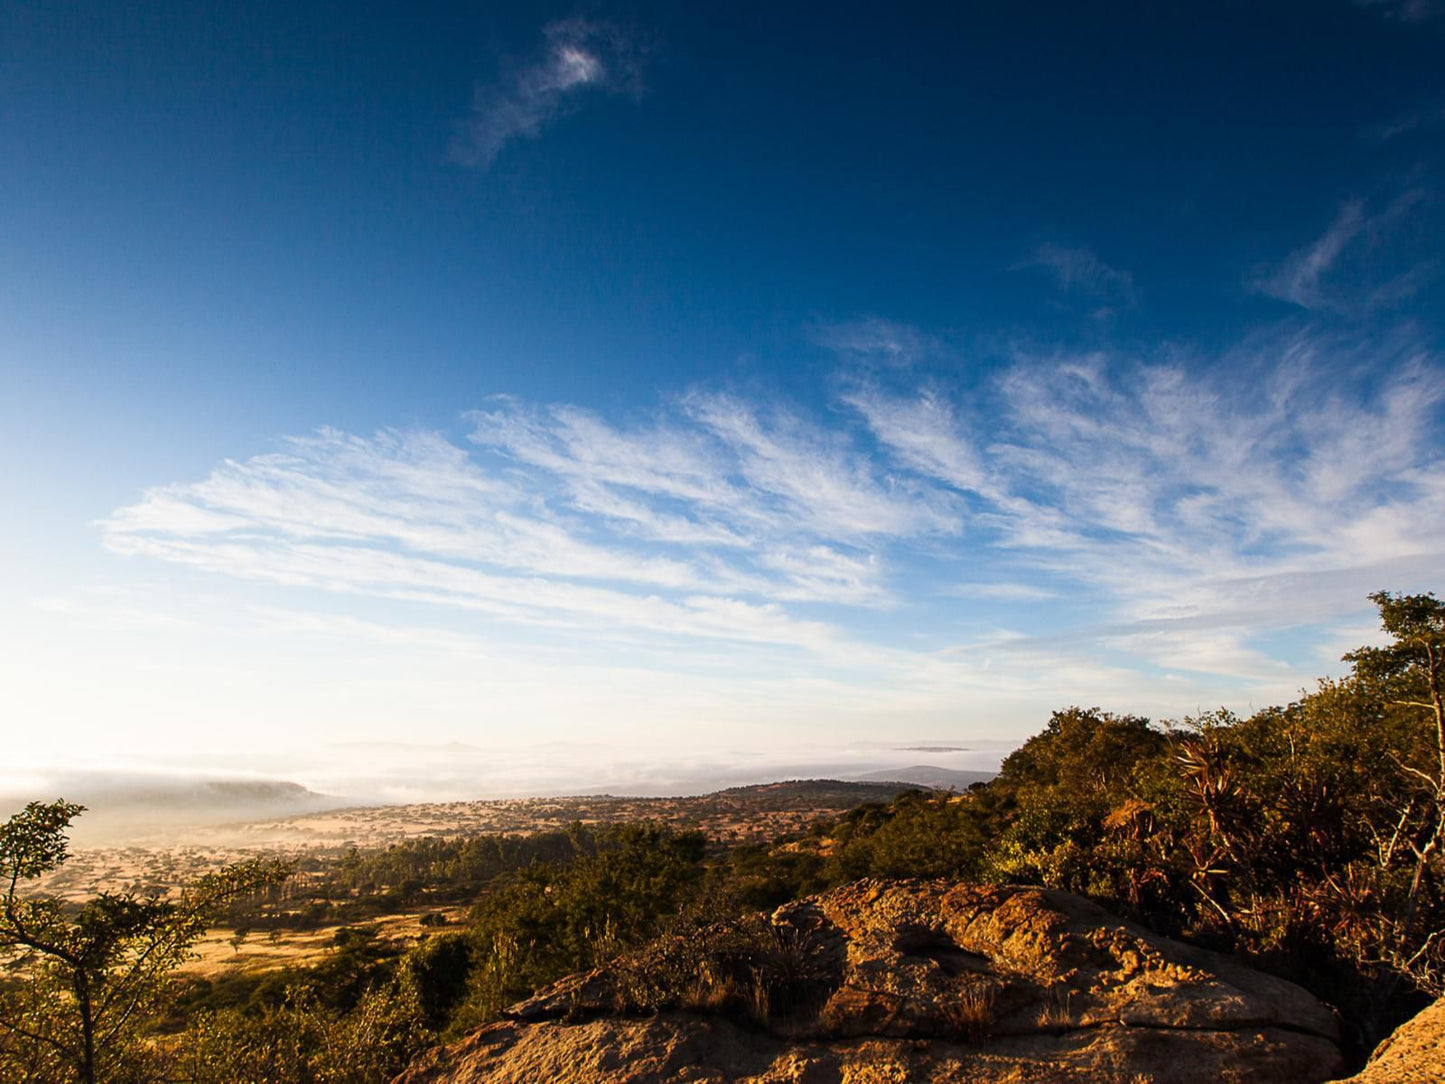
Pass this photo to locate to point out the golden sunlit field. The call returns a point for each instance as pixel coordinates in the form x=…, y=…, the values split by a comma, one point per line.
x=220, y=953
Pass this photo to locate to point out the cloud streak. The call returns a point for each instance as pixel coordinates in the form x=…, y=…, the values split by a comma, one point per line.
x=1342, y=270
x=579, y=58
x=1180, y=497
x=1076, y=523
x=1079, y=271
x=1417, y=121
x=1405, y=11
x=873, y=341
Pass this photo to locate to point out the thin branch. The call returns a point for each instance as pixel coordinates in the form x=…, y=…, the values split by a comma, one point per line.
x=1429, y=780
x=56, y=1043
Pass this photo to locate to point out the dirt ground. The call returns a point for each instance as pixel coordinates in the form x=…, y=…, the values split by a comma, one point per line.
x=218, y=954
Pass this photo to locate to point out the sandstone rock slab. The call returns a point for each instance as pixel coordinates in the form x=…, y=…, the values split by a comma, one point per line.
x=919, y=981
x=1413, y=1054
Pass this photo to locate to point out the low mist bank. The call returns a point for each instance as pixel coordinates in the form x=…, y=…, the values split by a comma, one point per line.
x=143, y=798
x=123, y=804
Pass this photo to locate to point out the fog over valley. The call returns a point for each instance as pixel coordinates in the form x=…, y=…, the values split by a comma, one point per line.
x=149, y=800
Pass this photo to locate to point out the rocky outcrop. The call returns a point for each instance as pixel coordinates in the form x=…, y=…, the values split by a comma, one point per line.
x=1413, y=1054
x=910, y=981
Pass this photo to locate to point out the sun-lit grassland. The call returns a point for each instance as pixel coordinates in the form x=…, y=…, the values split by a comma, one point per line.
x=222, y=952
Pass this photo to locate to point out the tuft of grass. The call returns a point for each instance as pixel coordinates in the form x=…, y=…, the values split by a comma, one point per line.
x=1057, y=1012
x=970, y=1015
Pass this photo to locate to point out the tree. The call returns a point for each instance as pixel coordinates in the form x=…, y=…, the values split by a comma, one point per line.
x=1409, y=673
x=1058, y=794
x=93, y=975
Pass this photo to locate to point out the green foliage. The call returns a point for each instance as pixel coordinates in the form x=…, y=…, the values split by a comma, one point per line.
x=302, y=1041
x=762, y=877
x=1308, y=838
x=917, y=835
x=33, y=841
x=552, y=920
x=363, y=886
x=438, y=969
x=1056, y=794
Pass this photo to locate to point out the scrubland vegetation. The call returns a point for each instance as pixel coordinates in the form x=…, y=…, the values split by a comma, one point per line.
x=1306, y=838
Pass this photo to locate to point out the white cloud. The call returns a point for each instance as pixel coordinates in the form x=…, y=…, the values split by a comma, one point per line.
x=924, y=434
x=412, y=491
x=699, y=526
x=1157, y=519
x=1416, y=121
x=1187, y=495
x=1003, y=592
x=1406, y=11
x=578, y=56
x=1298, y=279
x=1078, y=270
x=721, y=471
x=1345, y=268
x=818, y=478
x=874, y=340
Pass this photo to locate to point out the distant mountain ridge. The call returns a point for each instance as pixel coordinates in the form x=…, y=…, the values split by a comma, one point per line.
x=240, y=793
x=928, y=775
x=123, y=803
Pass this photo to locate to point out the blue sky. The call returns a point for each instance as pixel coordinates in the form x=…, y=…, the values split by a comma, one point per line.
x=683, y=379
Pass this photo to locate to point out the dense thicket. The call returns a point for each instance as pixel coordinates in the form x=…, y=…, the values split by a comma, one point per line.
x=421, y=872
x=1307, y=838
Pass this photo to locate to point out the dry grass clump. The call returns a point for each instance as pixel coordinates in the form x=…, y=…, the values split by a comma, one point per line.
x=745, y=968
x=1057, y=1012
x=970, y=1015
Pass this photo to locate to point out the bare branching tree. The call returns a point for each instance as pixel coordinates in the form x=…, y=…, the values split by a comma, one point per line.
x=84, y=980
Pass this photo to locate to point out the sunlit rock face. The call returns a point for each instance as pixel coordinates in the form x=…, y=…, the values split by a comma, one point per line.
x=1414, y=1054
x=909, y=981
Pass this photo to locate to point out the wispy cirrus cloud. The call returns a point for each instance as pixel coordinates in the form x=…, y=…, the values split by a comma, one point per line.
x=721, y=468
x=1181, y=497
x=1348, y=268
x=701, y=525
x=1078, y=270
x=1405, y=11
x=1299, y=280
x=816, y=477
x=579, y=57
x=1415, y=121
x=872, y=340
x=1006, y=592
x=1145, y=523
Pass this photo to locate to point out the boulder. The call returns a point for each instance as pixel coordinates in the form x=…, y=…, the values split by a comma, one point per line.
x=1413, y=1054
x=891, y=982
